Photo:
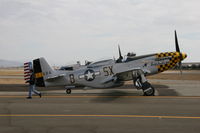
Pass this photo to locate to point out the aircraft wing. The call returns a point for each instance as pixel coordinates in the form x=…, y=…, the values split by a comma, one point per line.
x=124, y=75
x=129, y=70
x=109, y=79
x=128, y=73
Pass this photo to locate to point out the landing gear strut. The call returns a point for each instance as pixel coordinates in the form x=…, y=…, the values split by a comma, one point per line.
x=141, y=83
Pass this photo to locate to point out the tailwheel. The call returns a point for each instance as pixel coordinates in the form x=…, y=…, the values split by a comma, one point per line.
x=148, y=89
x=68, y=91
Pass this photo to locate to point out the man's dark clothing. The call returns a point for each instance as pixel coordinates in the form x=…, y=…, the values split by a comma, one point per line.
x=32, y=79
x=32, y=87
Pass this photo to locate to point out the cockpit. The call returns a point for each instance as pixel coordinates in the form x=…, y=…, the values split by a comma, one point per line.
x=71, y=67
x=129, y=56
x=126, y=58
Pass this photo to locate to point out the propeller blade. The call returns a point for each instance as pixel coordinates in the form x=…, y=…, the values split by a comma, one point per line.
x=120, y=54
x=180, y=67
x=176, y=42
x=178, y=50
x=119, y=60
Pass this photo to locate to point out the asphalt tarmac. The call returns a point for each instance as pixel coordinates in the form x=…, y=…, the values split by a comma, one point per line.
x=174, y=109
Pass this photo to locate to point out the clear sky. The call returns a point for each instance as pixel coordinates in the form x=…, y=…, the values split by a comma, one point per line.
x=64, y=31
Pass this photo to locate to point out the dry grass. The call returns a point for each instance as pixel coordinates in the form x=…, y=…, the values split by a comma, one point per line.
x=12, y=81
x=11, y=72
x=175, y=76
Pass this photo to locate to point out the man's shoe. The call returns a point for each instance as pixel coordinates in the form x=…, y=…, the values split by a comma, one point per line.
x=29, y=98
x=40, y=95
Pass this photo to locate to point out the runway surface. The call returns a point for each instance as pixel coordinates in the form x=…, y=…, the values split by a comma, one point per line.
x=175, y=108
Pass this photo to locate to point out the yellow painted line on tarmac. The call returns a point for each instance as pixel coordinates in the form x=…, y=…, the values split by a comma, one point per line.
x=94, y=96
x=195, y=97
x=114, y=116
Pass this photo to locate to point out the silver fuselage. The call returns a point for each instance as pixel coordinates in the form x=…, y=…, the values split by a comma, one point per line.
x=102, y=74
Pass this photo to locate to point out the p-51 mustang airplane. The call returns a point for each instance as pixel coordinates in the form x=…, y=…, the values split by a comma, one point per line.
x=110, y=73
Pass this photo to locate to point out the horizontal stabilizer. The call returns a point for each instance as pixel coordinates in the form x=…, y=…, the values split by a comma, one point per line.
x=53, y=78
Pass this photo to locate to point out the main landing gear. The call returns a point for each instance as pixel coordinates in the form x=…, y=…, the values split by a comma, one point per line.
x=141, y=83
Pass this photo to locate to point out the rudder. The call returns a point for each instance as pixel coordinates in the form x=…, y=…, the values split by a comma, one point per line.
x=38, y=73
x=42, y=71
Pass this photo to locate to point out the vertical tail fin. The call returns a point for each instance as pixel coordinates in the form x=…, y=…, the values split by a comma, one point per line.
x=42, y=71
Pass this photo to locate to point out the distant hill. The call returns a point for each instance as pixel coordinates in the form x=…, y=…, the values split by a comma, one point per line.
x=7, y=63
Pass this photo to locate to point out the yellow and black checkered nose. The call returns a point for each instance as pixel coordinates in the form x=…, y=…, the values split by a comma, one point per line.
x=184, y=55
x=174, y=58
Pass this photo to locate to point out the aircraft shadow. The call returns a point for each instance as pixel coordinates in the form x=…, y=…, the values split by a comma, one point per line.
x=163, y=90
x=112, y=95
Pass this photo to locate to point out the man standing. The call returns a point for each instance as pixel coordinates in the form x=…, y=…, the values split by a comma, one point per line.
x=32, y=86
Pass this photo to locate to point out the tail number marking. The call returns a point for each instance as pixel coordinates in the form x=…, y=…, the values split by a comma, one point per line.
x=72, y=79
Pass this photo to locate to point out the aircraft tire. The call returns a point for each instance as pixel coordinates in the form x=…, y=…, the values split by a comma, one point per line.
x=68, y=91
x=150, y=91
